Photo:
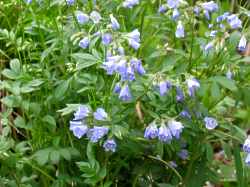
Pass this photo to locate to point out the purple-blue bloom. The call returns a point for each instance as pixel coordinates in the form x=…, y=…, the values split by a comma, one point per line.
x=117, y=88
x=193, y=84
x=114, y=23
x=234, y=21
x=173, y=164
x=151, y=131
x=100, y=114
x=164, y=134
x=95, y=17
x=176, y=14
x=213, y=33
x=111, y=64
x=121, y=51
x=84, y=43
x=185, y=114
x=110, y=145
x=81, y=17
x=173, y=3
x=106, y=38
x=78, y=128
x=242, y=44
x=208, y=46
x=28, y=1
x=183, y=154
x=210, y=123
x=81, y=113
x=96, y=133
x=125, y=94
x=134, y=39
x=70, y=2
x=197, y=10
x=130, y=3
x=179, y=94
x=179, y=33
x=175, y=128
x=210, y=6
x=246, y=145
x=162, y=9
x=137, y=65
x=164, y=87
x=229, y=74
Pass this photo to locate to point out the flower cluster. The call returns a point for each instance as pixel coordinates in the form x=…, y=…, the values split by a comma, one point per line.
x=246, y=148
x=166, y=132
x=80, y=126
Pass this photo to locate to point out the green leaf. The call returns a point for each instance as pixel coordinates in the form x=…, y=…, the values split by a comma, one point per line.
x=225, y=82
x=20, y=122
x=54, y=156
x=215, y=90
x=84, y=60
x=61, y=90
x=10, y=74
x=50, y=120
x=209, y=151
x=69, y=109
x=15, y=66
x=42, y=156
x=65, y=154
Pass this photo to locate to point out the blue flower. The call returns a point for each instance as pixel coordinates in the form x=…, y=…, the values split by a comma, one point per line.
x=95, y=17
x=208, y=46
x=193, y=84
x=110, y=145
x=137, y=65
x=130, y=3
x=81, y=17
x=197, y=10
x=173, y=164
x=210, y=6
x=242, y=44
x=247, y=161
x=183, y=154
x=79, y=129
x=176, y=14
x=164, y=87
x=213, y=33
x=28, y=1
x=130, y=74
x=125, y=94
x=114, y=23
x=70, y=2
x=106, y=38
x=179, y=30
x=175, y=128
x=229, y=74
x=222, y=17
x=151, y=131
x=164, y=134
x=234, y=21
x=117, y=88
x=173, y=3
x=84, y=43
x=100, y=114
x=210, y=123
x=162, y=9
x=179, y=94
x=81, y=113
x=246, y=145
x=111, y=64
x=121, y=51
x=185, y=114
x=96, y=133
x=134, y=39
